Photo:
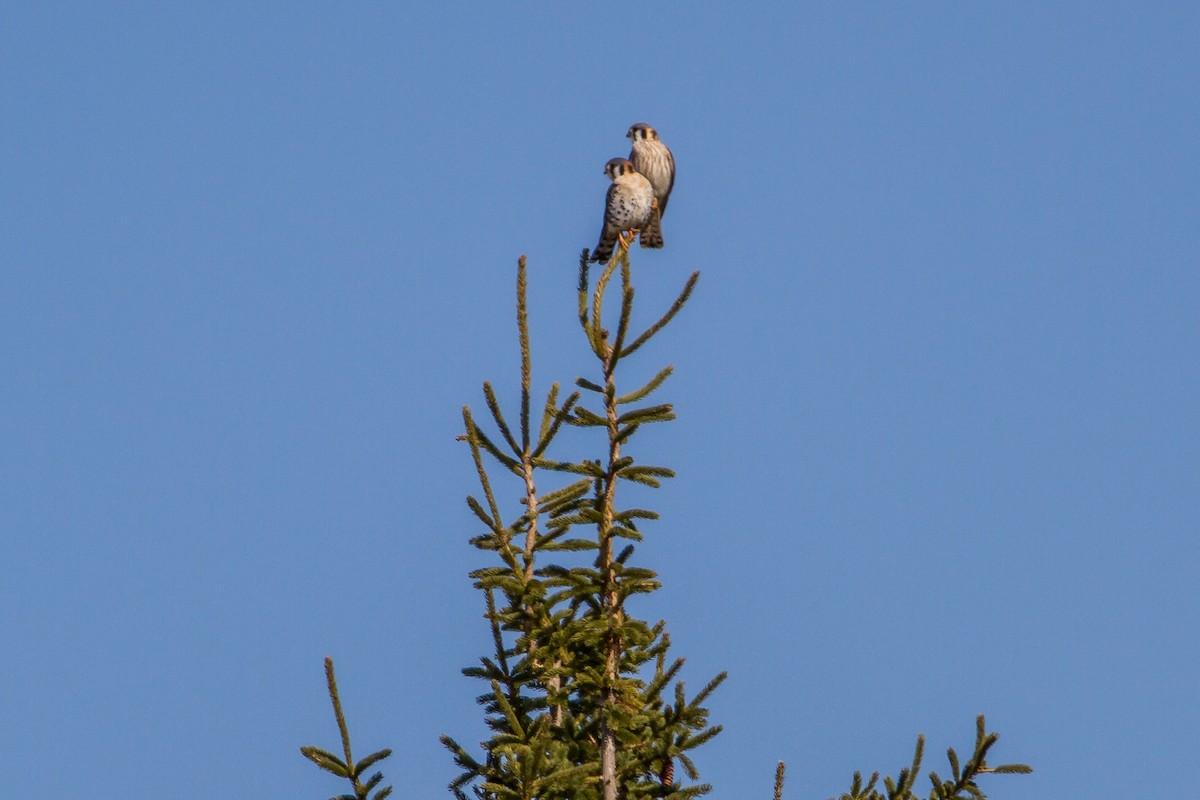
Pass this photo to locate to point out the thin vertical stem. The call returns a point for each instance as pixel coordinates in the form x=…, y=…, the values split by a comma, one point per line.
x=610, y=601
x=527, y=473
x=531, y=500
x=523, y=332
x=337, y=710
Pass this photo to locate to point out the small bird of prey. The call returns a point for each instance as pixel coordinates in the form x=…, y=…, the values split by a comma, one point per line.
x=630, y=206
x=653, y=159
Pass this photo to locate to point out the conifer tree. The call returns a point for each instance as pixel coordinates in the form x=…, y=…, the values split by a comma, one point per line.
x=347, y=767
x=583, y=700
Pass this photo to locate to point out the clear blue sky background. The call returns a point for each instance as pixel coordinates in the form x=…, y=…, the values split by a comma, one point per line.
x=939, y=410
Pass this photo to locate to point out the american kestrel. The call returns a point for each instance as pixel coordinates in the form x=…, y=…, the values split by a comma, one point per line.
x=630, y=207
x=652, y=158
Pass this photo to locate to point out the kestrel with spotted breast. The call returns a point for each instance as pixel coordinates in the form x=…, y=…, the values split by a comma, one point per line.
x=630, y=206
x=653, y=159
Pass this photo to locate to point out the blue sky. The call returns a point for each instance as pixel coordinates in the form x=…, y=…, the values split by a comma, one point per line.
x=938, y=442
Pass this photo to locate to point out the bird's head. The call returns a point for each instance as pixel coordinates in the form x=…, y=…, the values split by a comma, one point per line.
x=640, y=131
x=617, y=167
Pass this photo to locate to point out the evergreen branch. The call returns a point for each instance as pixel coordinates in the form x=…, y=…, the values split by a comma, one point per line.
x=630, y=514
x=497, y=635
x=689, y=766
x=493, y=524
x=662, y=643
x=647, y=476
x=506, y=461
x=569, y=545
x=365, y=763
x=506, y=708
x=1010, y=769
x=502, y=545
x=337, y=710
x=623, y=321
x=549, y=413
x=346, y=769
x=463, y=759
x=590, y=330
x=597, y=304
x=486, y=575
x=583, y=417
x=563, y=776
x=962, y=786
x=502, y=538
x=660, y=413
x=473, y=440
x=526, y=368
x=583, y=514
x=908, y=777
x=563, y=520
x=695, y=791
x=566, y=494
x=582, y=468
x=553, y=418
x=702, y=737
x=708, y=689
x=666, y=318
x=493, y=405
x=489, y=671
x=624, y=434
x=617, y=462
x=325, y=760
x=498, y=790
x=654, y=383
x=662, y=677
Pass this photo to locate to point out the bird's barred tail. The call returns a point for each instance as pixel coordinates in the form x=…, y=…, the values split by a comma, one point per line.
x=604, y=248
x=651, y=235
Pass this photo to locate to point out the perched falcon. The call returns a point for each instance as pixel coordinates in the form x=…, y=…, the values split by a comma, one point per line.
x=630, y=207
x=652, y=158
